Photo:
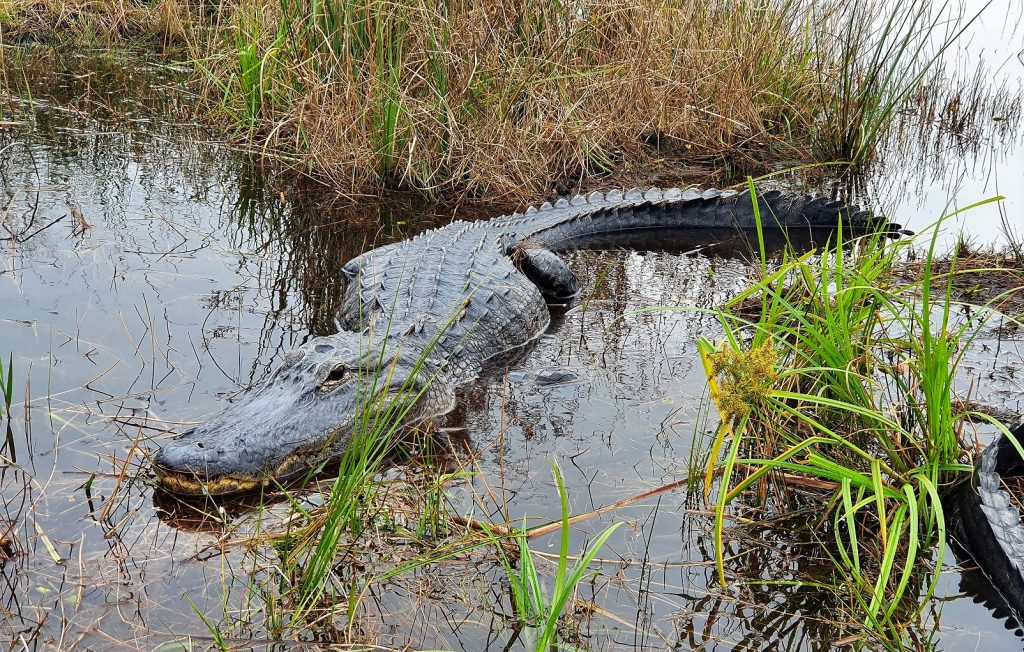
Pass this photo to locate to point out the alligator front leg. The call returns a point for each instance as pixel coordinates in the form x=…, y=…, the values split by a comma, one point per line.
x=548, y=272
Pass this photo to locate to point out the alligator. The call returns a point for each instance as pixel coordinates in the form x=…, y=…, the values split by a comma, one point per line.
x=986, y=518
x=423, y=316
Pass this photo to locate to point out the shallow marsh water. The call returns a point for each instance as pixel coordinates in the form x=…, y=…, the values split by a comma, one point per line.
x=156, y=275
x=970, y=149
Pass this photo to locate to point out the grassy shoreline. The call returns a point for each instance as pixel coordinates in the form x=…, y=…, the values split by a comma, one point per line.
x=514, y=101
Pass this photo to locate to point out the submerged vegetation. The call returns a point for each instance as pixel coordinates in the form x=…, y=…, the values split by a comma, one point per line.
x=512, y=101
x=7, y=384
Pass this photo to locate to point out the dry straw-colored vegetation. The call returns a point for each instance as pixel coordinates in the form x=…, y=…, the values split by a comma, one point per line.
x=82, y=22
x=513, y=100
x=510, y=98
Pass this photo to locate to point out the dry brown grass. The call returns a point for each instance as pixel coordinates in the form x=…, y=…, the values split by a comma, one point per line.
x=506, y=100
x=84, y=21
x=511, y=100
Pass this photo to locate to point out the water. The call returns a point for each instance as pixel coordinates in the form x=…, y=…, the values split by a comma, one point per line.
x=975, y=153
x=155, y=275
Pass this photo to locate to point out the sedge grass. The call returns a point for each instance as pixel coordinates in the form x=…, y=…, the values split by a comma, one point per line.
x=537, y=608
x=308, y=549
x=88, y=23
x=880, y=55
x=383, y=413
x=847, y=376
x=255, y=74
x=216, y=634
x=379, y=93
x=352, y=496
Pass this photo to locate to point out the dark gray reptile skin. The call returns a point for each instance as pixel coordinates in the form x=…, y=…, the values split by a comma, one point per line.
x=987, y=524
x=451, y=298
x=1002, y=514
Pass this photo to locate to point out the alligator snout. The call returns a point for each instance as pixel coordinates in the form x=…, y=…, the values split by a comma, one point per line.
x=214, y=460
x=196, y=464
x=188, y=454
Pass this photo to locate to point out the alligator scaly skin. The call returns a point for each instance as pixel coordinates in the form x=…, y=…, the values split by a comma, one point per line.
x=987, y=523
x=430, y=311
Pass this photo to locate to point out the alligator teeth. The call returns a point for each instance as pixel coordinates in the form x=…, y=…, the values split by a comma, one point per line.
x=595, y=198
x=578, y=200
x=634, y=193
x=614, y=195
x=546, y=206
x=653, y=194
x=562, y=203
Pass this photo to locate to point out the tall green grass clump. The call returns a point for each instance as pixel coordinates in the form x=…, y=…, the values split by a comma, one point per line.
x=846, y=376
x=871, y=60
x=537, y=608
x=250, y=86
x=385, y=411
x=351, y=503
x=255, y=77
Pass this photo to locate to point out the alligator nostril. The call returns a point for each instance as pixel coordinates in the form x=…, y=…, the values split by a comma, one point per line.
x=324, y=348
x=199, y=444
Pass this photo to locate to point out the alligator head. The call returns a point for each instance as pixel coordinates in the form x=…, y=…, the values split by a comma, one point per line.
x=302, y=414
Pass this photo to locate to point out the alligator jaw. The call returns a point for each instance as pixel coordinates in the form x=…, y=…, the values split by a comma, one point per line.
x=302, y=416
x=279, y=430
x=249, y=447
x=197, y=484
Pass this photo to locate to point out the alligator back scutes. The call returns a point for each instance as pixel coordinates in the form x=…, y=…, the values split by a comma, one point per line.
x=999, y=509
x=693, y=208
x=583, y=204
x=986, y=522
x=710, y=208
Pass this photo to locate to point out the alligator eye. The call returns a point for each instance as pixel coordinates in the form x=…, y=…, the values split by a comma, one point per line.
x=335, y=375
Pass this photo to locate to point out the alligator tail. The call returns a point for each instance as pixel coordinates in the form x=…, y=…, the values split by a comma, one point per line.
x=987, y=523
x=571, y=223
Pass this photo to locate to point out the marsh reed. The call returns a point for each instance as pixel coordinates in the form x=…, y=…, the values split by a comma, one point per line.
x=515, y=100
